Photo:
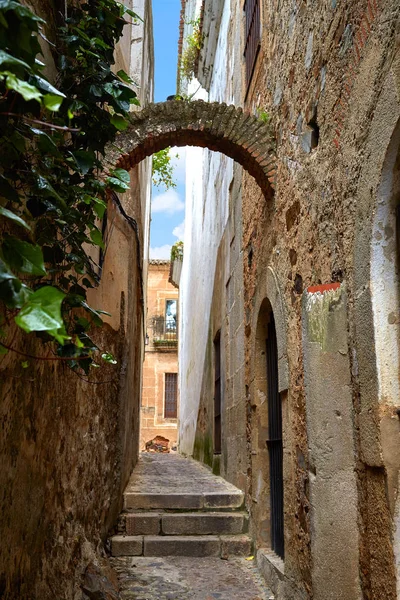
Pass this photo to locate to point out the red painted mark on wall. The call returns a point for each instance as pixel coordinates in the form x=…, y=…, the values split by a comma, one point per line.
x=325, y=287
x=360, y=39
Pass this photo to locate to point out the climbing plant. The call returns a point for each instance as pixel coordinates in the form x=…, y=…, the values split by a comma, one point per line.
x=52, y=195
x=163, y=169
x=193, y=44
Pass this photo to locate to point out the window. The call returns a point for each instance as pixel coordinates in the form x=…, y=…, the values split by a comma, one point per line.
x=253, y=35
x=171, y=396
x=170, y=316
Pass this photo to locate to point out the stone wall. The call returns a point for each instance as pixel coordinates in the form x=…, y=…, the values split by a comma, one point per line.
x=327, y=77
x=68, y=443
x=326, y=74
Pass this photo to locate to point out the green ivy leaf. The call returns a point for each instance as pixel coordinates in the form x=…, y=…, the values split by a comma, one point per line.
x=109, y=358
x=117, y=184
x=122, y=174
x=8, y=59
x=23, y=256
x=12, y=292
x=44, y=85
x=45, y=186
x=119, y=122
x=27, y=91
x=128, y=11
x=23, y=12
x=85, y=160
x=52, y=102
x=125, y=77
x=5, y=273
x=97, y=238
x=42, y=312
x=13, y=217
x=3, y=350
x=99, y=207
x=44, y=141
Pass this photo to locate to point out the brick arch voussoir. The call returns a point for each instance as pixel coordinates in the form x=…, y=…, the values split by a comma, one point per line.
x=217, y=126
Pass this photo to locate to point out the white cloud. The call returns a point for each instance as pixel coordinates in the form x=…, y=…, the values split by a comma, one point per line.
x=160, y=252
x=179, y=163
x=179, y=231
x=169, y=202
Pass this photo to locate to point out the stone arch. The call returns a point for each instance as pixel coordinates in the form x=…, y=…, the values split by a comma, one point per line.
x=216, y=126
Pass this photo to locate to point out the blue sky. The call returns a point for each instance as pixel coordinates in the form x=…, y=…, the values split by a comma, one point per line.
x=167, y=206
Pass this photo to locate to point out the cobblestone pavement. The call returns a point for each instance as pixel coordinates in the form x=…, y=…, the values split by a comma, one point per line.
x=183, y=578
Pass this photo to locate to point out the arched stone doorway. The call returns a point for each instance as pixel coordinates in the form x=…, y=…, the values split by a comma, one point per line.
x=216, y=126
x=268, y=416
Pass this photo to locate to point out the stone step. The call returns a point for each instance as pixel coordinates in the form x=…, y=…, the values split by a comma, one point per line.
x=224, y=546
x=190, y=501
x=193, y=523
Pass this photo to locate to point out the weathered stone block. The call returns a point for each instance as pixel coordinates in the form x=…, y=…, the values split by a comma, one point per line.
x=236, y=545
x=125, y=545
x=182, y=546
x=149, y=501
x=143, y=523
x=218, y=500
x=203, y=523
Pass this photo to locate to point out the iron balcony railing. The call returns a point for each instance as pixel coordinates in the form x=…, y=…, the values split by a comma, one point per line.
x=164, y=333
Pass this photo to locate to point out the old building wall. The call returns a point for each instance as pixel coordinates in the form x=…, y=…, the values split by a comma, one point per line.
x=69, y=442
x=161, y=357
x=321, y=74
x=327, y=80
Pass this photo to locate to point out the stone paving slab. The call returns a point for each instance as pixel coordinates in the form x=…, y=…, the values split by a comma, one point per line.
x=183, y=578
x=174, y=474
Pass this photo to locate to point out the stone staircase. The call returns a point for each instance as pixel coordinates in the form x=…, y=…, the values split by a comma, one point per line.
x=205, y=518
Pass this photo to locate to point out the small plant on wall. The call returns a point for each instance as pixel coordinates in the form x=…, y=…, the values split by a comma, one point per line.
x=177, y=251
x=192, y=46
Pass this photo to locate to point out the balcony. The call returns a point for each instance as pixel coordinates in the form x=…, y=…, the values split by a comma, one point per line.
x=163, y=333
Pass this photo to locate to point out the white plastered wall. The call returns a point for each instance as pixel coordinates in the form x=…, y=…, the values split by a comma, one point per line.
x=208, y=177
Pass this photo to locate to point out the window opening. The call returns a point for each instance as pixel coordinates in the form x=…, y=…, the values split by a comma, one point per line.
x=170, y=316
x=275, y=444
x=253, y=35
x=171, y=396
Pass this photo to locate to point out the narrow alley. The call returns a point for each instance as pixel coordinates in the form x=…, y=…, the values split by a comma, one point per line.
x=184, y=519
x=200, y=299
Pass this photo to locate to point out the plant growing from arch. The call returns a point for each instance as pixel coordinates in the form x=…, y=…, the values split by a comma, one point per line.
x=163, y=170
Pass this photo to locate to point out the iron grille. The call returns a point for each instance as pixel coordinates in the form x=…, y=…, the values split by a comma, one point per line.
x=171, y=396
x=217, y=395
x=164, y=335
x=253, y=35
x=275, y=445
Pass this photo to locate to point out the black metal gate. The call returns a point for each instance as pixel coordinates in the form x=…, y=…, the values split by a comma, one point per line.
x=217, y=395
x=274, y=443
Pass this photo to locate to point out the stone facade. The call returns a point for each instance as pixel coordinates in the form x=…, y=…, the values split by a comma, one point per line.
x=161, y=357
x=68, y=444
